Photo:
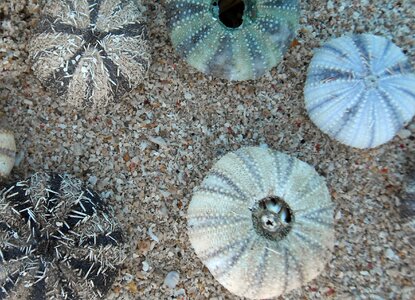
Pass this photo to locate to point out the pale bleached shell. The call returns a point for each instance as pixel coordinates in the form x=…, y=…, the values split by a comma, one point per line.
x=360, y=90
x=221, y=229
x=172, y=279
x=7, y=152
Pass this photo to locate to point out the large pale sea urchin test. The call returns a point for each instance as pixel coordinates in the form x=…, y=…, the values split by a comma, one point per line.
x=232, y=39
x=262, y=222
x=90, y=51
x=360, y=90
x=58, y=240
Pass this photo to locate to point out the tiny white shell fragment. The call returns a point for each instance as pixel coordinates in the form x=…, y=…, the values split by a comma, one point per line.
x=7, y=152
x=152, y=235
x=391, y=254
x=172, y=279
x=157, y=140
x=146, y=266
x=360, y=90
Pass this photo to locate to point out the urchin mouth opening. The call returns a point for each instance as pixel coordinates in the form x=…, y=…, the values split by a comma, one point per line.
x=272, y=218
x=371, y=81
x=232, y=13
x=93, y=37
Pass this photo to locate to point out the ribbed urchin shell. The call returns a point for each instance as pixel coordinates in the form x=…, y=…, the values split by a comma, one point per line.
x=245, y=52
x=360, y=90
x=7, y=151
x=58, y=240
x=91, y=51
x=262, y=222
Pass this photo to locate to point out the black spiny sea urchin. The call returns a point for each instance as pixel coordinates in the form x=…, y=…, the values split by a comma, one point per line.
x=58, y=240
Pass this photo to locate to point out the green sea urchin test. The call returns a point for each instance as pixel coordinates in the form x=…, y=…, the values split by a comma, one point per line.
x=232, y=39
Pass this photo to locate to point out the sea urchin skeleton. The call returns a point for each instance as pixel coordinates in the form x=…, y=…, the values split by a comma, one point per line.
x=57, y=240
x=93, y=51
x=262, y=222
x=232, y=39
x=360, y=90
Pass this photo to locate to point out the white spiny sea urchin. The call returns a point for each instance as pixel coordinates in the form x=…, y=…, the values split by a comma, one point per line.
x=58, y=240
x=360, y=90
x=91, y=51
x=262, y=222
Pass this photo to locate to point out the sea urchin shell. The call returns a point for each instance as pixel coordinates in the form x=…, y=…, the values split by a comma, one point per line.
x=360, y=90
x=92, y=51
x=58, y=240
x=7, y=152
x=232, y=39
x=262, y=222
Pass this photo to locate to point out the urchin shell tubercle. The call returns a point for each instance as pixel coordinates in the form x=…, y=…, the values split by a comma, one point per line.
x=58, y=240
x=232, y=39
x=91, y=51
x=262, y=222
x=7, y=152
x=360, y=90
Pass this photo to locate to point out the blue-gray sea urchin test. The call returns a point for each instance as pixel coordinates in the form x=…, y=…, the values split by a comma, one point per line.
x=91, y=51
x=232, y=39
x=58, y=240
x=262, y=222
x=360, y=90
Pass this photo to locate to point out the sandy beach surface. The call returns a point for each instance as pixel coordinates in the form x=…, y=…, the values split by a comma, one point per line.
x=146, y=153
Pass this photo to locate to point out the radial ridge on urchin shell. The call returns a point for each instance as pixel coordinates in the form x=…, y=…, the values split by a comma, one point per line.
x=360, y=90
x=262, y=222
x=232, y=39
x=58, y=240
x=91, y=51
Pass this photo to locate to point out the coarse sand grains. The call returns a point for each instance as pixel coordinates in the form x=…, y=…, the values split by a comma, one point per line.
x=147, y=152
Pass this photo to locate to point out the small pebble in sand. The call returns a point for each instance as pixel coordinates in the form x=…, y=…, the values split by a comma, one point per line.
x=172, y=279
x=146, y=266
x=7, y=152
